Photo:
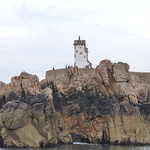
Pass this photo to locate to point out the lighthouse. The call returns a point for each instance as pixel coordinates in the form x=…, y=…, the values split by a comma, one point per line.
x=81, y=54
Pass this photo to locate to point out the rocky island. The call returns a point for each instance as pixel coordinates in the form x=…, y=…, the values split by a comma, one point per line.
x=107, y=104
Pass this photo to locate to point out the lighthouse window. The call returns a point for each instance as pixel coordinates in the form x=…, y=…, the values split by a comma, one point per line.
x=81, y=53
x=76, y=51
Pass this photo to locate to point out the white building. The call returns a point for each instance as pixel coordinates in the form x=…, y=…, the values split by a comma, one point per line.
x=81, y=54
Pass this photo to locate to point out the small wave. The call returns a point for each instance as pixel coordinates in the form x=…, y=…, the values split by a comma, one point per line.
x=80, y=143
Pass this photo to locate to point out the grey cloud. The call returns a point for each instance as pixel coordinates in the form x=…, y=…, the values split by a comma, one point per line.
x=110, y=31
x=51, y=13
x=75, y=15
x=30, y=12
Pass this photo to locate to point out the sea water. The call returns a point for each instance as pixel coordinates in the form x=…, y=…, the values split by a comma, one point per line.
x=84, y=146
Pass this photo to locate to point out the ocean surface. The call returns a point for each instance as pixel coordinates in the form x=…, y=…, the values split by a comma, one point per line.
x=85, y=146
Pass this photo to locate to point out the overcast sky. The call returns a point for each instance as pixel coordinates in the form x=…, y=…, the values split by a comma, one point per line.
x=37, y=35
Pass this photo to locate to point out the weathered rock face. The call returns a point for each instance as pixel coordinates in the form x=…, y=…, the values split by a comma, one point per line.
x=102, y=105
x=28, y=117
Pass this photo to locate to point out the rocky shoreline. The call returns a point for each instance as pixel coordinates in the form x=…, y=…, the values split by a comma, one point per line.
x=105, y=105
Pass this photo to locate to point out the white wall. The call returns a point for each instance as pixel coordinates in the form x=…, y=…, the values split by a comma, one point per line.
x=80, y=56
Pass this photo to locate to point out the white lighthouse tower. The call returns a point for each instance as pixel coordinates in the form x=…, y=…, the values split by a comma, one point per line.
x=81, y=54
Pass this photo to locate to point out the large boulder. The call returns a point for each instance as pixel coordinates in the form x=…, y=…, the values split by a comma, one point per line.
x=15, y=115
x=103, y=74
x=23, y=85
x=105, y=70
x=114, y=81
x=141, y=89
x=121, y=72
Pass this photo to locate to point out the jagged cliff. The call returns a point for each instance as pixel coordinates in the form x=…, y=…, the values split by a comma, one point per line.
x=103, y=105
